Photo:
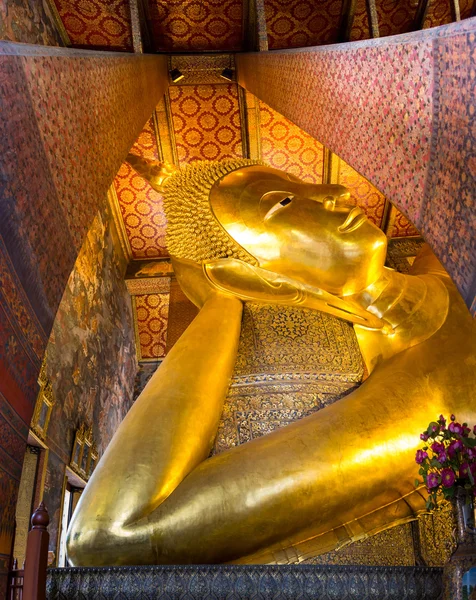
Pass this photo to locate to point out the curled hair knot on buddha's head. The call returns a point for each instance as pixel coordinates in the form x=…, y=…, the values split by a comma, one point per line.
x=193, y=232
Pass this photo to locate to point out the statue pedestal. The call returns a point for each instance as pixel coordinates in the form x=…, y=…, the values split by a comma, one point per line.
x=464, y=557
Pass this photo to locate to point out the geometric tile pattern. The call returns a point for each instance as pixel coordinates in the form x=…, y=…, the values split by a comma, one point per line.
x=395, y=17
x=242, y=582
x=152, y=312
x=97, y=23
x=206, y=120
x=439, y=13
x=285, y=146
x=193, y=25
x=402, y=227
x=141, y=206
x=360, y=26
x=299, y=23
x=363, y=193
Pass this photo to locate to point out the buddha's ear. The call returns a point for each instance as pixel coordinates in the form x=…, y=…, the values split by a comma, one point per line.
x=253, y=284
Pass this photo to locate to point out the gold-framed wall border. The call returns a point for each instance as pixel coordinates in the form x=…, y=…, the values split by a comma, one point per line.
x=136, y=330
x=83, y=439
x=46, y=399
x=330, y=167
x=165, y=133
x=60, y=520
x=155, y=122
x=69, y=474
x=250, y=123
x=58, y=22
x=115, y=207
x=387, y=227
x=373, y=18
x=244, y=126
x=137, y=44
x=261, y=26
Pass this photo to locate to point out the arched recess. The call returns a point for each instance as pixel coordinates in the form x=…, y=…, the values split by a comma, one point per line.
x=69, y=118
x=400, y=110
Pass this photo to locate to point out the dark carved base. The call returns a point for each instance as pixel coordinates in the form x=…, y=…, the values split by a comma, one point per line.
x=256, y=582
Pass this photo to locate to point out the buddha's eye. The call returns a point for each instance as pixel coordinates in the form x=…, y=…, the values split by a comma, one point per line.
x=278, y=206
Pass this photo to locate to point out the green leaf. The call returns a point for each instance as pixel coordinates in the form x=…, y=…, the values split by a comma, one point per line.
x=417, y=483
x=469, y=442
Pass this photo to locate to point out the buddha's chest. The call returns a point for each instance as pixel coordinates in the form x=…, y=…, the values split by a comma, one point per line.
x=291, y=362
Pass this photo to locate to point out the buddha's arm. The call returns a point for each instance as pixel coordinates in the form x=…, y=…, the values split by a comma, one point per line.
x=315, y=475
x=168, y=431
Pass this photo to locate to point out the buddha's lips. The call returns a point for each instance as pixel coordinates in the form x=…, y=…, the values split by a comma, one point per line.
x=354, y=220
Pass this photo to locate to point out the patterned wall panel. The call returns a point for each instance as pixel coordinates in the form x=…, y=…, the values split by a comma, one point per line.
x=402, y=227
x=465, y=7
x=302, y=22
x=141, y=206
x=285, y=146
x=206, y=120
x=97, y=23
x=152, y=315
x=364, y=194
x=395, y=16
x=28, y=22
x=360, y=26
x=439, y=13
x=193, y=25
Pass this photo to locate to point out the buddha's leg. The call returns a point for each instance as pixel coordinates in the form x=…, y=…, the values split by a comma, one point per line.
x=168, y=432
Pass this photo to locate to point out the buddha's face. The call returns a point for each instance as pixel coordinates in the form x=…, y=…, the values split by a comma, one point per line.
x=309, y=232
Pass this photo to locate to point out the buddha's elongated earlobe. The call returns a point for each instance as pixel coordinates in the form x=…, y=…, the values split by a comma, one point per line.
x=253, y=284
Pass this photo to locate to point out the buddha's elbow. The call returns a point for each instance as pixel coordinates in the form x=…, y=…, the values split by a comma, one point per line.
x=91, y=544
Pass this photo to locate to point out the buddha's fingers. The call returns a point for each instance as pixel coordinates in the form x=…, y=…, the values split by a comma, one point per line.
x=170, y=428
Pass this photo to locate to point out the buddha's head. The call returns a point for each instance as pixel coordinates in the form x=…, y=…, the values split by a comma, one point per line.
x=271, y=219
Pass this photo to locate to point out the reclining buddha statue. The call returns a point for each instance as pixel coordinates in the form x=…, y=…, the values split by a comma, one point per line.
x=238, y=232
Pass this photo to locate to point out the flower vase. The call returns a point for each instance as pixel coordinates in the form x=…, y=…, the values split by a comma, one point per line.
x=464, y=557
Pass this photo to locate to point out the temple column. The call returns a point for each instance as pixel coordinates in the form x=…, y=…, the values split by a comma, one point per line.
x=400, y=110
x=69, y=118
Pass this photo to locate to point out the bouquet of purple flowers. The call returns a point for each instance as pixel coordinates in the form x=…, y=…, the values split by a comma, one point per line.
x=447, y=460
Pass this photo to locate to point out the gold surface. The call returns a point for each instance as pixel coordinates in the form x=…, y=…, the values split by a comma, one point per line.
x=325, y=481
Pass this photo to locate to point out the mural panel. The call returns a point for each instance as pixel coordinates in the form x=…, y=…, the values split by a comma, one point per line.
x=91, y=359
x=55, y=471
x=28, y=22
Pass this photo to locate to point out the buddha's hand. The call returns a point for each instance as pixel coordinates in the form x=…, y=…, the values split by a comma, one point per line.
x=254, y=284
